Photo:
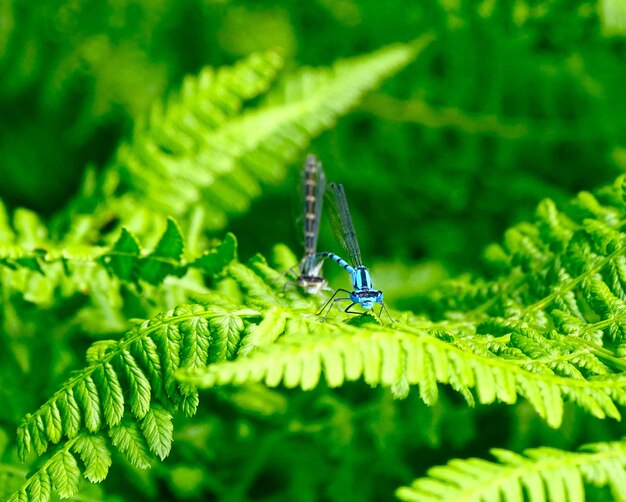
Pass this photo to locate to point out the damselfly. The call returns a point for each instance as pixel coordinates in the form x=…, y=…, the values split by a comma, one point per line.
x=363, y=293
x=313, y=186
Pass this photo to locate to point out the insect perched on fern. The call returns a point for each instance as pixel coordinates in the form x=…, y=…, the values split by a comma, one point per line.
x=313, y=185
x=310, y=267
x=364, y=293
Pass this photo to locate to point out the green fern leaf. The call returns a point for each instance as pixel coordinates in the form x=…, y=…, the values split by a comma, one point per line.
x=213, y=262
x=139, y=385
x=52, y=421
x=197, y=342
x=169, y=345
x=229, y=327
x=99, y=270
x=539, y=474
x=92, y=450
x=40, y=487
x=87, y=394
x=146, y=352
x=202, y=151
x=64, y=474
x=385, y=357
x=204, y=104
x=164, y=260
x=130, y=440
x=24, y=440
x=157, y=428
x=304, y=105
x=123, y=258
x=111, y=392
x=147, y=357
x=38, y=434
x=70, y=414
x=548, y=328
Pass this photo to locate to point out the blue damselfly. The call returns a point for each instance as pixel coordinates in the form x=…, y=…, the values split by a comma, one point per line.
x=363, y=293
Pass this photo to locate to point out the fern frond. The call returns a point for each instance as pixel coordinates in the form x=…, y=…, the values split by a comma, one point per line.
x=143, y=362
x=388, y=357
x=166, y=146
x=539, y=474
x=566, y=270
x=202, y=150
x=125, y=260
x=61, y=473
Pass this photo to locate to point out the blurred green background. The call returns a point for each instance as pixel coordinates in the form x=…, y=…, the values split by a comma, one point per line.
x=512, y=102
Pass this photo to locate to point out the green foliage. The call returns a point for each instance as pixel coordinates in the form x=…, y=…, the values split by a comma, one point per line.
x=547, y=327
x=539, y=474
x=138, y=420
x=60, y=473
x=102, y=279
x=27, y=248
x=404, y=356
x=505, y=96
x=544, y=328
x=203, y=153
x=482, y=356
x=505, y=105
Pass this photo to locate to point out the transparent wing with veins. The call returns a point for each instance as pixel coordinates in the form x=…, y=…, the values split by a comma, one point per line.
x=342, y=222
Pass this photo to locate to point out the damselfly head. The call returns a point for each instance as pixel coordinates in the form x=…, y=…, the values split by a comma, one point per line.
x=367, y=299
x=311, y=284
x=310, y=279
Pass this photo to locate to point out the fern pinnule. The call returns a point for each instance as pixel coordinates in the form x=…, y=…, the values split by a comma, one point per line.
x=92, y=450
x=129, y=439
x=158, y=429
